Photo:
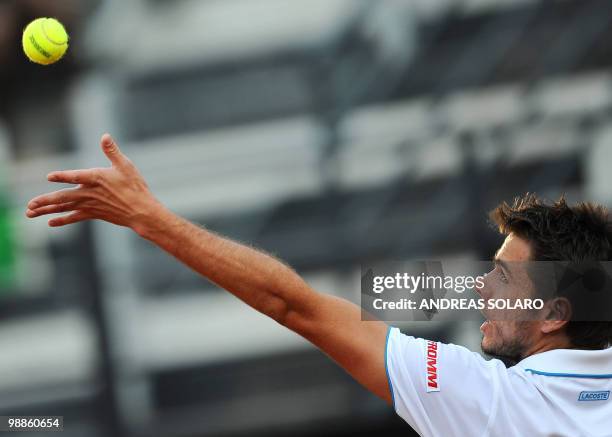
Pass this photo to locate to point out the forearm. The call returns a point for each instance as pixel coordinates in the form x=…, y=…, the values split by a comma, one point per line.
x=256, y=278
x=332, y=324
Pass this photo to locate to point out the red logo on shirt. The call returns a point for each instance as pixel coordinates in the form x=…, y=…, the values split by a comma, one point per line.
x=432, y=366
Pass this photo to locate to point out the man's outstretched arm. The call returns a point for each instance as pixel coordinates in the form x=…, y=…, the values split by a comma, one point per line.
x=119, y=195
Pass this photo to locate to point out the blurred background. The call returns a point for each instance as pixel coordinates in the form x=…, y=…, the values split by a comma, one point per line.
x=327, y=132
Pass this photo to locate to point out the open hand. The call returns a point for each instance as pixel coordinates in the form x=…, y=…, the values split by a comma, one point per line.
x=117, y=194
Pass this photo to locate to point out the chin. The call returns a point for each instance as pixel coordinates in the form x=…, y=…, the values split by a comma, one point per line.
x=490, y=343
x=487, y=346
x=495, y=347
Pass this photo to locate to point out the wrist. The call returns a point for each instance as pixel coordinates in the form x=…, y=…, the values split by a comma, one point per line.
x=153, y=221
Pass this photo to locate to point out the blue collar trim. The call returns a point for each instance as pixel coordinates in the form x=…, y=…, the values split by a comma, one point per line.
x=570, y=375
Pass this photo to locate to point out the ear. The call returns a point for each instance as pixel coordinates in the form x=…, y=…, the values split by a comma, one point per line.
x=558, y=312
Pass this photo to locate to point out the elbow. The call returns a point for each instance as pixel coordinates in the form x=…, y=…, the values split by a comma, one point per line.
x=277, y=310
x=296, y=312
x=297, y=321
x=285, y=315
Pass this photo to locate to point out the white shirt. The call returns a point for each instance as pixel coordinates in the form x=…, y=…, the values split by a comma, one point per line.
x=446, y=390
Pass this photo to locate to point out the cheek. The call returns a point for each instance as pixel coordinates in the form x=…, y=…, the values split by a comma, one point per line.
x=508, y=331
x=528, y=329
x=502, y=330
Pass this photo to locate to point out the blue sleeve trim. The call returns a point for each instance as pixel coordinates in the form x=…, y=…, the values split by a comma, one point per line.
x=387, y=367
x=570, y=375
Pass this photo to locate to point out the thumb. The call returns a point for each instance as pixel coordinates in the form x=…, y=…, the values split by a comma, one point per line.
x=111, y=150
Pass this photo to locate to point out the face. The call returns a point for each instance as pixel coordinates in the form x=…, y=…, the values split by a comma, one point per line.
x=508, y=339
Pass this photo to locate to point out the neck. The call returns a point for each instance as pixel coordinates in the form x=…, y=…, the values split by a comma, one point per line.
x=548, y=344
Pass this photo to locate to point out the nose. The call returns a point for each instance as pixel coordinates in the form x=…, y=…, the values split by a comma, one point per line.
x=478, y=289
x=481, y=286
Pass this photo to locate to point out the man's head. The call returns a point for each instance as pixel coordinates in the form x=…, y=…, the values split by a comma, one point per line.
x=536, y=231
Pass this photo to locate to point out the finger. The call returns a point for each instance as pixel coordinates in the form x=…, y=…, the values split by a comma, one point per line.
x=61, y=196
x=112, y=152
x=78, y=177
x=74, y=217
x=52, y=209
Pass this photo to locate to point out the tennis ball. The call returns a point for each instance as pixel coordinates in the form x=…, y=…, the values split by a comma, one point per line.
x=45, y=41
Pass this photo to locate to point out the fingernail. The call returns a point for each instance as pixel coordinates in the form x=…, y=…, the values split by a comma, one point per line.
x=32, y=205
x=51, y=177
x=107, y=140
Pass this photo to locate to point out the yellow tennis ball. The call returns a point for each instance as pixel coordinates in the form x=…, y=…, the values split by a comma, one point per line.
x=45, y=41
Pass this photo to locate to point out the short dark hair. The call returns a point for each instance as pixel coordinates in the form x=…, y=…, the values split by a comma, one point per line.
x=559, y=232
